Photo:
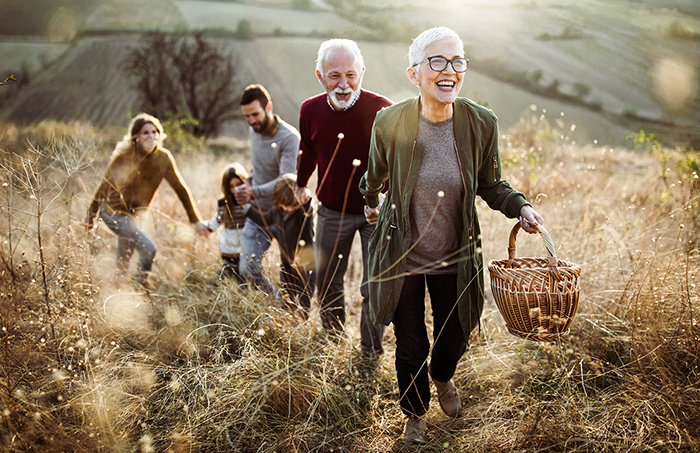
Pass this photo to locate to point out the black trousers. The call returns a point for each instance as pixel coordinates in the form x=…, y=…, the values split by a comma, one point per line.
x=412, y=344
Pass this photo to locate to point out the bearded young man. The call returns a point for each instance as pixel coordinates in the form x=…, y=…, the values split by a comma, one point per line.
x=335, y=129
x=274, y=145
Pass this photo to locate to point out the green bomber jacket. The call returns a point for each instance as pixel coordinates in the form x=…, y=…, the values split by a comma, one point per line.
x=393, y=164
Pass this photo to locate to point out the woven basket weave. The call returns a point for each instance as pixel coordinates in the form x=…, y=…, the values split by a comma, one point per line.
x=537, y=297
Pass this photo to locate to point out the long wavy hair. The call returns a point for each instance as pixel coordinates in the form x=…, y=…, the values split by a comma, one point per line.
x=236, y=170
x=128, y=143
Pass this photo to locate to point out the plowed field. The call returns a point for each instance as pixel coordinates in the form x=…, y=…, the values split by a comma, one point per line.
x=622, y=55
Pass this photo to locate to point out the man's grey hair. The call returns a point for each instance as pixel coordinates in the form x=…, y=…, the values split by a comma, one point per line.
x=418, y=50
x=332, y=45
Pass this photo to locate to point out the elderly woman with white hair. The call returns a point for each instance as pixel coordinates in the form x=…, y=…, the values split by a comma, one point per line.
x=435, y=152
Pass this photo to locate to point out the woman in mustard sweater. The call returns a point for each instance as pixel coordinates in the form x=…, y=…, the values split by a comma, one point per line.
x=138, y=166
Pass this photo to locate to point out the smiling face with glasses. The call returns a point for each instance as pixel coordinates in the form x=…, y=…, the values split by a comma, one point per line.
x=439, y=78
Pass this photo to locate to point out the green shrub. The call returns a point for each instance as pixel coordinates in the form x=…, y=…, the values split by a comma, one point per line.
x=676, y=30
x=567, y=33
x=305, y=5
x=582, y=90
x=244, y=30
x=630, y=112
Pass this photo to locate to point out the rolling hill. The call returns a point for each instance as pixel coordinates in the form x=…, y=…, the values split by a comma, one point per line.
x=604, y=67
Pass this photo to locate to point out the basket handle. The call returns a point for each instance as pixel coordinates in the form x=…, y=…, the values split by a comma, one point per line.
x=552, y=261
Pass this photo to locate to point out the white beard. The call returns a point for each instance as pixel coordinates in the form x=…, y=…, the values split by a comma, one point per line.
x=343, y=105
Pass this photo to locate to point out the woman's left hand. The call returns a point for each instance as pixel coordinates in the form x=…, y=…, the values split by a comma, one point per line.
x=529, y=219
x=202, y=229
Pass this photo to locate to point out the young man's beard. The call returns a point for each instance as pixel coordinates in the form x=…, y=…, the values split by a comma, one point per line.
x=263, y=125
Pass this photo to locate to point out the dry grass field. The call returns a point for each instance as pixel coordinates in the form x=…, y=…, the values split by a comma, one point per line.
x=90, y=363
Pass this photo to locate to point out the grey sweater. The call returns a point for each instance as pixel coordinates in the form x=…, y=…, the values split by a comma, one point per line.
x=436, y=218
x=272, y=155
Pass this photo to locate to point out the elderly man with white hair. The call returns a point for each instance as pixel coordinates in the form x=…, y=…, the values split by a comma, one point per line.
x=434, y=153
x=335, y=129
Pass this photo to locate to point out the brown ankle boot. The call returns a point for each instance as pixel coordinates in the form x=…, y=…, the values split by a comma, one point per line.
x=414, y=433
x=450, y=402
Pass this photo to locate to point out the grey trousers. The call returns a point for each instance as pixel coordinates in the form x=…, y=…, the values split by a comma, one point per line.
x=129, y=238
x=255, y=241
x=334, y=235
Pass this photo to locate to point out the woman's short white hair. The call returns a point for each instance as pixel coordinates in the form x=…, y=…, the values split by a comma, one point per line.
x=418, y=50
x=332, y=45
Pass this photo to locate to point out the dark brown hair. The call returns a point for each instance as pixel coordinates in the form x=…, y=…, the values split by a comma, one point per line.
x=255, y=92
x=236, y=170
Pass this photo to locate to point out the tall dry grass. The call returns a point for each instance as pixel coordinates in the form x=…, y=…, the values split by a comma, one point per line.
x=90, y=363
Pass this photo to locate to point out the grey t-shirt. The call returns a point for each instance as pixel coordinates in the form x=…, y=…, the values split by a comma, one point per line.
x=272, y=156
x=436, y=221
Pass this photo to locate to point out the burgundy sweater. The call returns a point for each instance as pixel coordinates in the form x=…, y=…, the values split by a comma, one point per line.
x=319, y=126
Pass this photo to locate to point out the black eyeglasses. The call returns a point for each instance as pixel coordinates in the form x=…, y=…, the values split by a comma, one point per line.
x=439, y=64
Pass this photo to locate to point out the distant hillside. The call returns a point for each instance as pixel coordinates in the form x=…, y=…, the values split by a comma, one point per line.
x=63, y=19
x=605, y=67
x=88, y=84
x=689, y=7
x=85, y=84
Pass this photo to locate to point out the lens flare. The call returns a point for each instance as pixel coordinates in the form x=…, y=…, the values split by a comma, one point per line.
x=675, y=84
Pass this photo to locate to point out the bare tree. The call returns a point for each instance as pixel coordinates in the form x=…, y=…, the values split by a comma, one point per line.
x=184, y=77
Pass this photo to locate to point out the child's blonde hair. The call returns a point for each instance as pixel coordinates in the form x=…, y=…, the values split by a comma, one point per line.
x=285, y=191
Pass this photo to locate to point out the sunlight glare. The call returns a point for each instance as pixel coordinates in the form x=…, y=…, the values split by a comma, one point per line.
x=675, y=84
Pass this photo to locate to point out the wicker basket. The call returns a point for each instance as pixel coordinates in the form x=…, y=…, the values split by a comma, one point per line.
x=537, y=297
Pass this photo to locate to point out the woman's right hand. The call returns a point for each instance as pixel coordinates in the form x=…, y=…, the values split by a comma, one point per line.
x=372, y=214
